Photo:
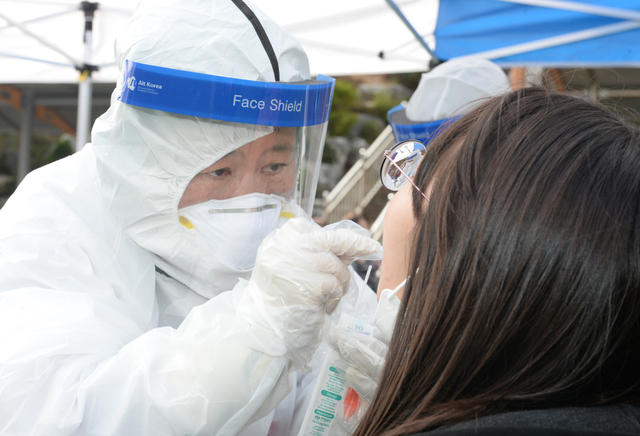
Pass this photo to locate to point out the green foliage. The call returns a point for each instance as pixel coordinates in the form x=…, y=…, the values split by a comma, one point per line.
x=345, y=95
x=7, y=186
x=341, y=122
x=342, y=116
x=6, y=145
x=8, y=157
x=328, y=154
x=370, y=130
x=59, y=149
x=44, y=150
x=410, y=80
x=383, y=102
x=40, y=149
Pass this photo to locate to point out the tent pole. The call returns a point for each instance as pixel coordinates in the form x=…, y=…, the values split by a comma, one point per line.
x=575, y=6
x=84, y=87
x=84, y=112
x=26, y=127
x=422, y=42
x=554, y=41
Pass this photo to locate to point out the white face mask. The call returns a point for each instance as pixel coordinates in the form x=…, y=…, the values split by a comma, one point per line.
x=386, y=312
x=235, y=228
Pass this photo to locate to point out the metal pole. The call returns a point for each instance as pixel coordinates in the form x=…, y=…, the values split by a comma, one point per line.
x=583, y=8
x=84, y=113
x=85, y=86
x=26, y=126
x=422, y=42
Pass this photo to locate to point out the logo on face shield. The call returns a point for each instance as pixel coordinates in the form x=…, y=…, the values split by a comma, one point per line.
x=131, y=83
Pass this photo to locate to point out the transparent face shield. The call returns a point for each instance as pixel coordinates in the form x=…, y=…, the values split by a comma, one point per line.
x=290, y=120
x=405, y=129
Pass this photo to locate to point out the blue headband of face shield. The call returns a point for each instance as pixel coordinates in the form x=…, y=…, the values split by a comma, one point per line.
x=405, y=129
x=222, y=98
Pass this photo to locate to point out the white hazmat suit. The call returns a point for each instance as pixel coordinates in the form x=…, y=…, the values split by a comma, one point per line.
x=114, y=320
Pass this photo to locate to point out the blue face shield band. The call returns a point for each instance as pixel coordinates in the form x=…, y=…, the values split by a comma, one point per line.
x=405, y=129
x=298, y=104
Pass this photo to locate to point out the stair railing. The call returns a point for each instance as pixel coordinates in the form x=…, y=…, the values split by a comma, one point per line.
x=360, y=184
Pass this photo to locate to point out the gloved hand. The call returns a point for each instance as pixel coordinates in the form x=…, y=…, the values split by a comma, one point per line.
x=365, y=358
x=365, y=354
x=300, y=276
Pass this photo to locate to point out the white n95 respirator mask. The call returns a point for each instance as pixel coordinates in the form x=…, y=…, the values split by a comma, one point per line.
x=234, y=228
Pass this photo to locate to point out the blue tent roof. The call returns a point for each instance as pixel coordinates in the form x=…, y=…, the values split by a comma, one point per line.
x=541, y=32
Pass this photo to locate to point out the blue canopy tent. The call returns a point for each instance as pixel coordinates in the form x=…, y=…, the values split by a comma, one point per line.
x=546, y=33
x=588, y=46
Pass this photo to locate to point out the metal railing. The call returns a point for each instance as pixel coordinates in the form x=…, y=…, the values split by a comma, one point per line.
x=360, y=184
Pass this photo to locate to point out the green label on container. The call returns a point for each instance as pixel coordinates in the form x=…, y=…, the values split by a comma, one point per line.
x=331, y=395
x=333, y=368
x=324, y=414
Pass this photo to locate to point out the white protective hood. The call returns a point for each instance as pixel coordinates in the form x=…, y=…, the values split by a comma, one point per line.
x=147, y=157
x=452, y=88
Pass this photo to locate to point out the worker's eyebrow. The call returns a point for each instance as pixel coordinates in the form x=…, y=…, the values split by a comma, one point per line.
x=278, y=148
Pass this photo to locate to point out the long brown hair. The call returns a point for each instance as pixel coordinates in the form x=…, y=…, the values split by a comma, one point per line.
x=527, y=292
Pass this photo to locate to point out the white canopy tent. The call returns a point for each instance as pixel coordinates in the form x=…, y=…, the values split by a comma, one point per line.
x=341, y=38
x=41, y=41
x=46, y=45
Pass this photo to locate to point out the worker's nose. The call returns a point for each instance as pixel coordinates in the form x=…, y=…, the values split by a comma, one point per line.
x=249, y=184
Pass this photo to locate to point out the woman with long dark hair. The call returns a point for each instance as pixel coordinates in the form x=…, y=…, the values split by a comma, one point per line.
x=521, y=310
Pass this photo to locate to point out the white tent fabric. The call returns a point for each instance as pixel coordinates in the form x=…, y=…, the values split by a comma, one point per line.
x=60, y=27
x=41, y=42
x=48, y=42
x=340, y=37
x=347, y=37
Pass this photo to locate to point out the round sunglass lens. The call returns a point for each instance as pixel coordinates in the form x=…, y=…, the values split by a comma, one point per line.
x=406, y=156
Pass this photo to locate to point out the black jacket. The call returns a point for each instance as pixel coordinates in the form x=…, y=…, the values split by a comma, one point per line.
x=572, y=421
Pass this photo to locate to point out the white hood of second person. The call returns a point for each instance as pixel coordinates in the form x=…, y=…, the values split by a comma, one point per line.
x=146, y=158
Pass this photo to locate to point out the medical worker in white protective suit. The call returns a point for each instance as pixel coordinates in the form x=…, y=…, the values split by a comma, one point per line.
x=129, y=299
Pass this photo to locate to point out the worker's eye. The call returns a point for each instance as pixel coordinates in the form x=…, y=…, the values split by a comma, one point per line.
x=274, y=168
x=219, y=173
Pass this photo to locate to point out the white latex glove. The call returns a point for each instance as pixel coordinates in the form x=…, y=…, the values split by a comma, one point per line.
x=300, y=276
x=365, y=354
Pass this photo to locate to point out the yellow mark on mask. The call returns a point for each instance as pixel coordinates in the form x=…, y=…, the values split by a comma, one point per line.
x=185, y=222
x=287, y=215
